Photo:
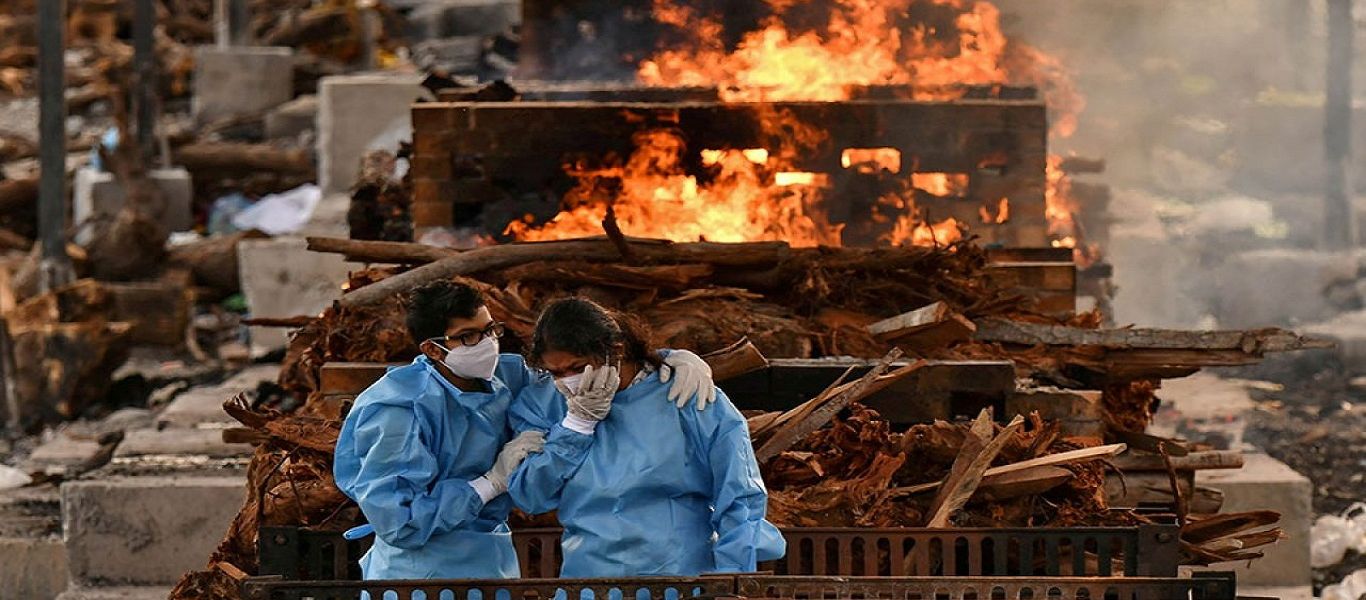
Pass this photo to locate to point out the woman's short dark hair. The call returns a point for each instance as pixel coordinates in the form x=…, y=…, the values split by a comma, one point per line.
x=585, y=328
x=432, y=306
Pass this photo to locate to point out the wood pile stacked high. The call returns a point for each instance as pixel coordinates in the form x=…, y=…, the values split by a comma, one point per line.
x=828, y=462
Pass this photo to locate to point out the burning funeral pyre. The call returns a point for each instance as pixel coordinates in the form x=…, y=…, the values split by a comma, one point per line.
x=815, y=185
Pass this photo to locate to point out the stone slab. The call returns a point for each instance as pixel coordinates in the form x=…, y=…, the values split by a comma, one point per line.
x=237, y=81
x=61, y=451
x=1265, y=483
x=281, y=278
x=250, y=377
x=291, y=119
x=150, y=592
x=1294, y=592
x=179, y=442
x=34, y=569
x=196, y=406
x=145, y=530
x=95, y=194
x=357, y=113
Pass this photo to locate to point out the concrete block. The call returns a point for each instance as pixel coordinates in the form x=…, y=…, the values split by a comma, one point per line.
x=34, y=569
x=144, y=592
x=145, y=530
x=95, y=194
x=1278, y=286
x=179, y=442
x=450, y=18
x=1265, y=483
x=241, y=80
x=281, y=278
x=357, y=113
x=196, y=406
x=292, y=118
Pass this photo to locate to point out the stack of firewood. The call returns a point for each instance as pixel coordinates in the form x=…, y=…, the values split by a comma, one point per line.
x=830, y=461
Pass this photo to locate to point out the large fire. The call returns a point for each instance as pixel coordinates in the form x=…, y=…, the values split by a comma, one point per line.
x=936, y=47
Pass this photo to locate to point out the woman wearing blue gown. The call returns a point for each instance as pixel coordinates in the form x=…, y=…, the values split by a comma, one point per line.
x=641, y=487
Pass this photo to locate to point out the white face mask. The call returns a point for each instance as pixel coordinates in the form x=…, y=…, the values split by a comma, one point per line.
x=473, y=362
x=571, y=382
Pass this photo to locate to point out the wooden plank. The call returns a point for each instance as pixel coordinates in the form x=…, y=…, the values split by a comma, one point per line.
x=1029, y=482
x=931, y=327
x=1194, y=461
x=1051, y=276
x=349, y=377
x=970, y=466
x=1247, y=342
x=1061, y=458
x=1045, y=254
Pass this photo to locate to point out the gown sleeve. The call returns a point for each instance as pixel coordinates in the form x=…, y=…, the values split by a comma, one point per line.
x=386, y=467
x=739, y=499
x=536, y=485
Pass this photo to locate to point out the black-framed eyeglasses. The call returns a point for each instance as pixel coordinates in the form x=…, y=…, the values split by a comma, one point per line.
x=472, y=338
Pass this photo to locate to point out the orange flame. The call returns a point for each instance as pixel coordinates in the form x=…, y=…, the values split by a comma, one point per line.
x=758, y=193
x=653, y=197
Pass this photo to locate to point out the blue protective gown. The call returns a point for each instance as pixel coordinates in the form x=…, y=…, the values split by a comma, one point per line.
x=406, y=453
x=654, y=491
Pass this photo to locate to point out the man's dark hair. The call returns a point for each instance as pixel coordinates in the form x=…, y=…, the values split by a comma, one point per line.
x=585, y=328
x=432, y=306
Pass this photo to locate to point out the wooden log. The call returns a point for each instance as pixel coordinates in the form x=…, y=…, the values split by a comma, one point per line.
x=1194, y=461
x=594, y=249
x=214, y=261
x=237, y=157
x=1135, y=489
x=13, y=241
x=10, y=407
x=927, y=328
x=1253, y=342
x=674, y=278
x=18, y=195
x=735, y=360
x=158, y=311
x=397, y=253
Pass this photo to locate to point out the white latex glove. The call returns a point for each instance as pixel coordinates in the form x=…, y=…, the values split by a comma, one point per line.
x=593, y=400
x=693, y=380
x=512, y=455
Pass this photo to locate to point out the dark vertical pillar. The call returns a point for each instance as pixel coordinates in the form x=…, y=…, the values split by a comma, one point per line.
x=239, y=19
x=56, y=266
x=145, y=76
x=1339, y=220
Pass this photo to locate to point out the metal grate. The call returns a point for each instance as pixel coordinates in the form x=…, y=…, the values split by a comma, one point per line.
x=1212, y=586
x=636, y=588
x=1206, y=586
x=1147, y=550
